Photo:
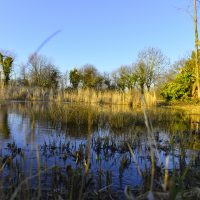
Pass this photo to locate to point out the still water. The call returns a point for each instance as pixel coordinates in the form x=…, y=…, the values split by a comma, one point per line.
x=97, y=137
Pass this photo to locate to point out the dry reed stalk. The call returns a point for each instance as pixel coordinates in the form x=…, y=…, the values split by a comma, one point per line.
x=87, y=163
x=135, y=160
x=150, y=129
x=80, y=95
x=39, y=178
x=152, y=141
x=166, y=173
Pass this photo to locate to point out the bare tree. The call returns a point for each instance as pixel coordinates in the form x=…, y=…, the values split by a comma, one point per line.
x=23, y=75
x=153, y=63
x=64, y=80
x=42, y=72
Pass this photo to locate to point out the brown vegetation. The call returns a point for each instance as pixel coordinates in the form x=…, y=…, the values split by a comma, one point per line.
x=131, y=98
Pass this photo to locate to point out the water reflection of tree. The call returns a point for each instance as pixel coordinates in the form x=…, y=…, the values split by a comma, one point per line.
x=4, y=126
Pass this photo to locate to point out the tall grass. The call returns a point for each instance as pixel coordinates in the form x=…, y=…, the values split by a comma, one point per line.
x=89, y=96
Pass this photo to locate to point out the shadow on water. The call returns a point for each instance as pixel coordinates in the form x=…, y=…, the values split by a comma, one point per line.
x=95, y=152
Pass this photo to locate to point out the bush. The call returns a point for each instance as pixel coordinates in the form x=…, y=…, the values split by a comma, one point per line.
x=180, y=88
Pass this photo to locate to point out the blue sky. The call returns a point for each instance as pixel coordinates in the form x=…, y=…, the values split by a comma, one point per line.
x=105, y=33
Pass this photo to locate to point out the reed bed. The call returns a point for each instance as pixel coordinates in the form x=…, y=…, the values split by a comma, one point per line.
x=89, y=96
x=115, y=118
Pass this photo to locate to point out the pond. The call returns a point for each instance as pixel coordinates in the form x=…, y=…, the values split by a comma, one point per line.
x=73, y=151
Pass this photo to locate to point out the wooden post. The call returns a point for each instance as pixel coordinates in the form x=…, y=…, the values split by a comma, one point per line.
x=197, y=49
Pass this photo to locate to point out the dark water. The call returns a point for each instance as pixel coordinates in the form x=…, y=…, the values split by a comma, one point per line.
x=72, y=135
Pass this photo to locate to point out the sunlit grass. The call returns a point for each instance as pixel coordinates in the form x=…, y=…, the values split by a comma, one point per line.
x=89, y=96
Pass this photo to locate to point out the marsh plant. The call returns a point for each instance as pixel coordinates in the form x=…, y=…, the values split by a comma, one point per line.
x=68, y=151
x=56, y=169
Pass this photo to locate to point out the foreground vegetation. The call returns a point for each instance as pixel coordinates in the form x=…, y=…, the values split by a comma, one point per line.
x=78, y=180
x=95, y=149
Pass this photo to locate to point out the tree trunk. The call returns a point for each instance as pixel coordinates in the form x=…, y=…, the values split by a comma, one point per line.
x=197, y=50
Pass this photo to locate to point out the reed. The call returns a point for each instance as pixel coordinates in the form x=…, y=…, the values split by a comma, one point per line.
x=89, y=96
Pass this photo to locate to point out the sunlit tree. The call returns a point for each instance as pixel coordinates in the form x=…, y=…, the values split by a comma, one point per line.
x=90, y=77
x=151, y=64
x=74, y=78
x=6, y=63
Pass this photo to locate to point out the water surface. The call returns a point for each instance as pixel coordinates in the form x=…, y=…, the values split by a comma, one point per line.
x=77, y=135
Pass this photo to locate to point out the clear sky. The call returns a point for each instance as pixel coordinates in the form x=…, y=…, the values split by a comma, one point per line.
x=105, y=33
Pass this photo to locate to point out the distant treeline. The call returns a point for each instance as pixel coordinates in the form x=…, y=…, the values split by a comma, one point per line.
x=151, y=70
